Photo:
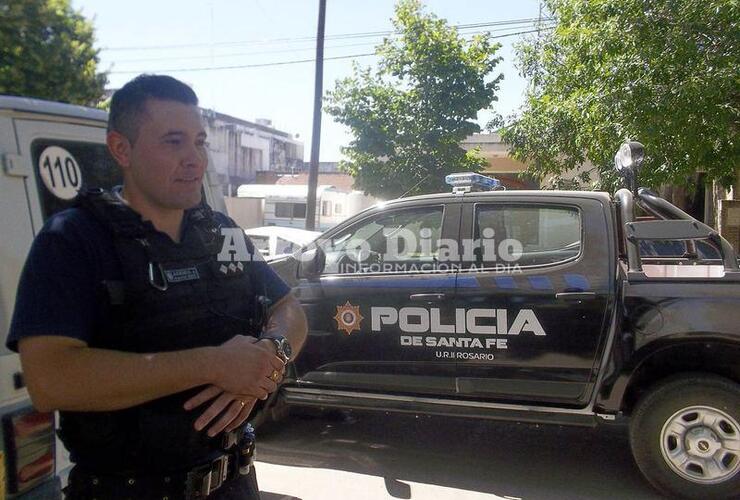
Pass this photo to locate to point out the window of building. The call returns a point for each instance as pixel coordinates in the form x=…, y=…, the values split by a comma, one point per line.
x=251, y=160
x=338, y=209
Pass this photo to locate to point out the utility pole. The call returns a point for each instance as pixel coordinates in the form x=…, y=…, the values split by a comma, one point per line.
x=313, y=172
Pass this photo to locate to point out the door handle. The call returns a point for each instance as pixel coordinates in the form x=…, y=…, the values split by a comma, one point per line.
x=572, y=296
x=428, y=297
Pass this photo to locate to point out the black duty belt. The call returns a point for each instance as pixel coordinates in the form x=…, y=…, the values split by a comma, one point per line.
x=204, y=480
x=196, y=483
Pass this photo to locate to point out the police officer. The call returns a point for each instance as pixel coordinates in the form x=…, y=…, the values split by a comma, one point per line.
x=132, y=324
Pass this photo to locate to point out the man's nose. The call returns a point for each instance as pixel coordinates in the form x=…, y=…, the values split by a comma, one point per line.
x=196, y=156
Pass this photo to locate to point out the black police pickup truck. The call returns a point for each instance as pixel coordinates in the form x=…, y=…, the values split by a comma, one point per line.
x=533, y=306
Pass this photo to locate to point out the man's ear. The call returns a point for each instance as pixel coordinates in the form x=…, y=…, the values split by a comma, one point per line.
x=119, y=147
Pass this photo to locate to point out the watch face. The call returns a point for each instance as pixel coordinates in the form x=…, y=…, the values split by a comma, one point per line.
x=287, y=350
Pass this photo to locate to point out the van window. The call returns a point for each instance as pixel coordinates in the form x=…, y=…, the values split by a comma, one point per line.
x=284, y=246
x=64, y=168
x=261, y=243
x=290, y=210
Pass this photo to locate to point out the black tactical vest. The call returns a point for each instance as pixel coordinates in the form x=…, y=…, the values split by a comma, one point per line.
x=172, y=296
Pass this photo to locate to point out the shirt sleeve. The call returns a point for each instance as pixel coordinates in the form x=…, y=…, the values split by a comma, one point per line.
x=268, y=282
x=56, y=293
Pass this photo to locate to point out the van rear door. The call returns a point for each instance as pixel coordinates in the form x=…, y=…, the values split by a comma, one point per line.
x=63, y=159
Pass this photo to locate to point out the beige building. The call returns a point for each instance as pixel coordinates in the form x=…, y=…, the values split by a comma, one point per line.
x=507, y=169
x=500, y=164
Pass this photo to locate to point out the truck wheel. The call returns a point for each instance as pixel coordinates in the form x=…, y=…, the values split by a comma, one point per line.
x=685, y=437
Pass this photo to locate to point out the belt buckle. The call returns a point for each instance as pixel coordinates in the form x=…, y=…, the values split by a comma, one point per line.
x=216, y=475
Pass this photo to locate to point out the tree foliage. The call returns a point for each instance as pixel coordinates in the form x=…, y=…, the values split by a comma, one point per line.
x=410, y=114
x=46, y=51
x=663, y=72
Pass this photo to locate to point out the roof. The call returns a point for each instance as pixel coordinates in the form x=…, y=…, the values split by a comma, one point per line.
x=290, y=233
x=41, y=106
x=483, y=139
x=278, y=191
x=494, y=195
x=343, y=182
x=232, y=119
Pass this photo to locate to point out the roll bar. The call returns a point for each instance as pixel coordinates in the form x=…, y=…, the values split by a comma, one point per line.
x=652, y=203
x=627, y=212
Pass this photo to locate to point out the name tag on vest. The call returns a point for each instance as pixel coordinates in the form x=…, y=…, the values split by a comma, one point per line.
x=179, y=275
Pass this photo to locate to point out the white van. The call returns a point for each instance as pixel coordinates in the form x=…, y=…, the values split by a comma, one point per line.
x=48, y=152
x=274, y=242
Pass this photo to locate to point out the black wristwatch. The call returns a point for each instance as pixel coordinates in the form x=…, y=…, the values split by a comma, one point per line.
x=282, y=347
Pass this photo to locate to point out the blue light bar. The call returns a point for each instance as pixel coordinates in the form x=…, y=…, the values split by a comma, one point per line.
x=472, y=180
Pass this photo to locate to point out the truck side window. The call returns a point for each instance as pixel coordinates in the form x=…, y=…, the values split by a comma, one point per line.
x=541, y=235
x=63, y=167
x=399, y=241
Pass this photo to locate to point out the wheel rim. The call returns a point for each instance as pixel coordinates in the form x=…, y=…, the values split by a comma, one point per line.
x=702, y=444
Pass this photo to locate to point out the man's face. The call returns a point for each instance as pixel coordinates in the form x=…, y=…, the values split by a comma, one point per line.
x=168, y=159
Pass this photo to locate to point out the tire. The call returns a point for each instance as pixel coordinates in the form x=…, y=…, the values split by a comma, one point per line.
x=699, y=415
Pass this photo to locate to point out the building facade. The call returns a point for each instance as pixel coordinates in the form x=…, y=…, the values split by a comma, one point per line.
x=500, y=164
x=508, y=170
x=239, y=149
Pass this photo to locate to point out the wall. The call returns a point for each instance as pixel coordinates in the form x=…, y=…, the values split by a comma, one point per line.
x=247, y=212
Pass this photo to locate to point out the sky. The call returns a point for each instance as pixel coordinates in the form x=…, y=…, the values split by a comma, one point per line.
x=192, y=39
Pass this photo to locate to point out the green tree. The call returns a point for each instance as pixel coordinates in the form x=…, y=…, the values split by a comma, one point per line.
x=409, y=115
x=46, y=51
x=664, y=72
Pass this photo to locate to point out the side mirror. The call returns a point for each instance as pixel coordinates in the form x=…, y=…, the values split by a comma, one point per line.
x=311, y=262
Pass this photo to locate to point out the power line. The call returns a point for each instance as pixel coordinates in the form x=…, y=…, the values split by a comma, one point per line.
x=342, y=36
x=237, y=54
x=278, y=51
x=285, y=63
x=257, y=65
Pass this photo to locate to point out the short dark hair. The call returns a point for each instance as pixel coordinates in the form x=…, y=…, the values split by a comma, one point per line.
x=128, y=102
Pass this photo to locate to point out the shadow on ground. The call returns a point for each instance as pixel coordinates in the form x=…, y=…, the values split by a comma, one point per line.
x=505, y=459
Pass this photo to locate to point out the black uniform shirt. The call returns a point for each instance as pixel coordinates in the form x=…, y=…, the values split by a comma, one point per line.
x=58, y=293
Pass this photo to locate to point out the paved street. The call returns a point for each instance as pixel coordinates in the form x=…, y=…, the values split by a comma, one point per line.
x=377, y=456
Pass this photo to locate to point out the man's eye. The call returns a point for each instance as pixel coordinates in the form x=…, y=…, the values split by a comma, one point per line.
x=173, y=141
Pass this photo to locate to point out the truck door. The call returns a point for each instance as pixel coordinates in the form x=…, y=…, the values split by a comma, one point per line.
x=367, y=319
x=535, y=298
